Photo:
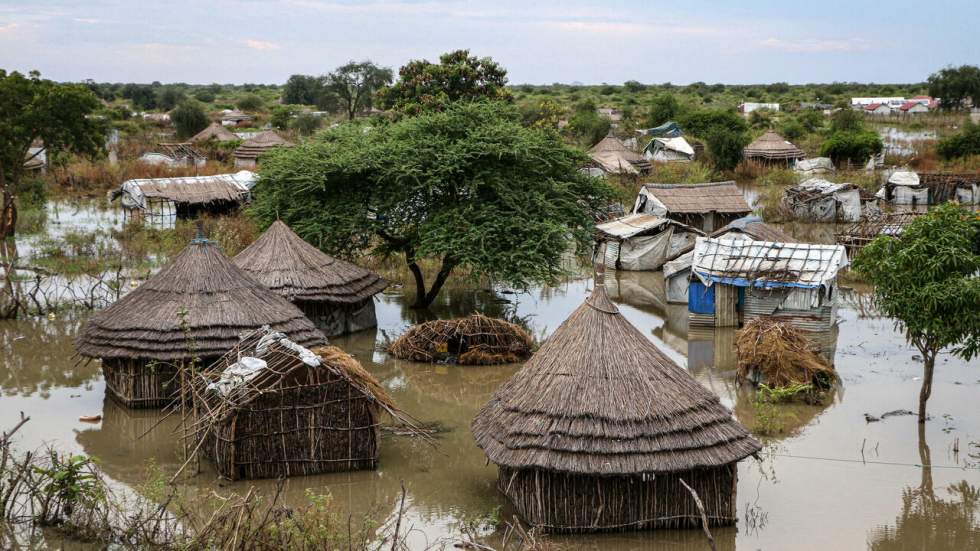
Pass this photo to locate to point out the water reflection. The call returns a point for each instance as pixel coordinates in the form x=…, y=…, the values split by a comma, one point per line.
x=38, y=357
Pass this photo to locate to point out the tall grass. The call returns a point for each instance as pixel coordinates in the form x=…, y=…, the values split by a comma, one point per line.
x=88, y=178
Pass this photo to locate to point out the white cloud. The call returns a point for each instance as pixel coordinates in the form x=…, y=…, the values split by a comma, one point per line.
x=261, y=44
x=87, y=20
x=816, y=45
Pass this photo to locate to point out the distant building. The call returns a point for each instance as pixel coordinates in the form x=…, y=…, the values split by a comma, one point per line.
x=748, y=107
x=235, y=118
x=610, y=113
x=879, y=109
x=36, y=159
x=247, y=155
x=912, y=107
x=894, y=102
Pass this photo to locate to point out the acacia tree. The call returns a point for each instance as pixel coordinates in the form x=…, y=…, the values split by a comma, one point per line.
x=425, y=86
x=355, y=84
x=955, y=85
x=467, y=187
x=927, y=280
x=33, y=109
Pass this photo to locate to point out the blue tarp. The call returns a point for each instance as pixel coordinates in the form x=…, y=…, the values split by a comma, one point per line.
x=700, y=299
x=669, y=129
x=757, y=283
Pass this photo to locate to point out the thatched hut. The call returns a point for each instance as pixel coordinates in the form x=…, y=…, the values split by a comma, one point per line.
x=194, y=307
x=276, y=409
x=159, y=202
x=771, y=148
x=336, y=295
x=612, y=156
x=247, y=155
x=706, y=207
x=597, y=430
x=473, y=340
x=215, y=132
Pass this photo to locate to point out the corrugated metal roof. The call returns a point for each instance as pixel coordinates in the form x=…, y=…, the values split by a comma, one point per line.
x=766, y=264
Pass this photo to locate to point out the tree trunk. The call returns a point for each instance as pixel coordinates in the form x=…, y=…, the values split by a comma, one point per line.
x=8, y=212
x=925, y=459
x=929, y=357
x=425, y=299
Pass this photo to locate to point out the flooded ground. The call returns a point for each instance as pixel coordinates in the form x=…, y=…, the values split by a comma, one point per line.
x=903, y=142
x=828, y=480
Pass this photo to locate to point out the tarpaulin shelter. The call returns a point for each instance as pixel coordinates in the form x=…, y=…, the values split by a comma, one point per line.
x=158, y=202
x=738, y=280
x=638, y=242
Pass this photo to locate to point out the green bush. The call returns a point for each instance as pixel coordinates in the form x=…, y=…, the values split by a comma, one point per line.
x=189, y=118
x=250, y=102
x=792, y=130
x=963, y=144
x=306, y=123
x=725, y=147
x=856, y=146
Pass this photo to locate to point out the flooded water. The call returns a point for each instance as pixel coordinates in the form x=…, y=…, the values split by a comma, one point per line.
x=828, y=480
x=903, y=142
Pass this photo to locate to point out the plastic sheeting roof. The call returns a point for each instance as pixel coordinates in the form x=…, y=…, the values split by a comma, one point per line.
x=678, y=144
x=631, y=225
x=766, y=264
x=904, y=178
x=188, y=189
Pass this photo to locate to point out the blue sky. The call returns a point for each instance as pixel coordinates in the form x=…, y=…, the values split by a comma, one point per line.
x=538, y=42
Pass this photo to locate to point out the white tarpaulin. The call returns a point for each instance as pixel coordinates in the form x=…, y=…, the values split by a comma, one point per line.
x=766, y=264
x=904, y=178
x=816, y=165
x=645, y=253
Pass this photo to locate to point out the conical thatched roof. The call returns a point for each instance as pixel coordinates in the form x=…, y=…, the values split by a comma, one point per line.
x=221, y=303
x=214, y=131
x=772, y=146
x=293, y=268
x=260, y=143
x=613, y=156
x=599, y=398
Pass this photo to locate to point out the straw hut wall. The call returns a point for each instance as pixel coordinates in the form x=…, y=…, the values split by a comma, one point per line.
x=773, y=149
x=294, y=412
x=336, y=295
x=473, y=340
x=247, y=154
x=599, y=427
x=194, y=307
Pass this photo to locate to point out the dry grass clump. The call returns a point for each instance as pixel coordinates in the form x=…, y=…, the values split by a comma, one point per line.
x=780, y=355
x=473, y=340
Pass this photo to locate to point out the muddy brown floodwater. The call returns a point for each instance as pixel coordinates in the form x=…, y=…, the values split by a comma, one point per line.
x=829, y=480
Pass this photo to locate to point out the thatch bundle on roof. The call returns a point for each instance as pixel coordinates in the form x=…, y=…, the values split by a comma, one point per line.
x=473, y=340
x=613, y=157
x=215, y=131
x=336, y=295
x=195, y=306
x=707, y=206
x=774, y=352
x=247, y=154
x=274, y=409
x=771, y=147
x=597, y=429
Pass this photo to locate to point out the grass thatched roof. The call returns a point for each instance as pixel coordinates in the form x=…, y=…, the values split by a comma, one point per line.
x=772, y=146
x=599, y=398
x=215, y=131
x=473, y=340
x=699, y=198
x=220, y=301
x=293, y=268
x=260, y=143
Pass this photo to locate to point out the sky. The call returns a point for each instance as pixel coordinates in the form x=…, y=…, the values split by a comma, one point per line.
x=538, y=42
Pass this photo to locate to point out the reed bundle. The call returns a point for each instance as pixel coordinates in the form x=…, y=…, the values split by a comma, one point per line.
x=780, y=355
x=473, y=340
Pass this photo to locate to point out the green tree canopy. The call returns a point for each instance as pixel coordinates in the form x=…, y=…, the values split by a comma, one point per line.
x=36, y=110
x=466, y=187
x=355, y=84
x=189, y=118
x=954, y=85
x=250, y=102
x=425, y=86
x=855, y=146
x=663, y=108
x=927, y=280
x=169, y=96
x=302, y=90
x=962, y=144
x=702, y=123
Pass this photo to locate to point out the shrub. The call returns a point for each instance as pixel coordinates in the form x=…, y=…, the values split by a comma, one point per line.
x=307, y=123
x=725, y=147
x=792, y=130
x=854, y=146
x=965, y=143
x=250, y=102
x=189, y=119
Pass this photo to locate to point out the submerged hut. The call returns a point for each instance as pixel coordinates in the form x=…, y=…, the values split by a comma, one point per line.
x=324, y=406
x=639, y=242
x=855, y=236
x=599, y=428
x=336, y=295
x=214, y=132
x=706, y=207
x=677, y=272
x=735, y=281
x=821, y=201
x=473, y=340
x=771, y=148
x=612, y=156
x=247, y=155
x=158, y=202
x=930, y=188
x=194, y=307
